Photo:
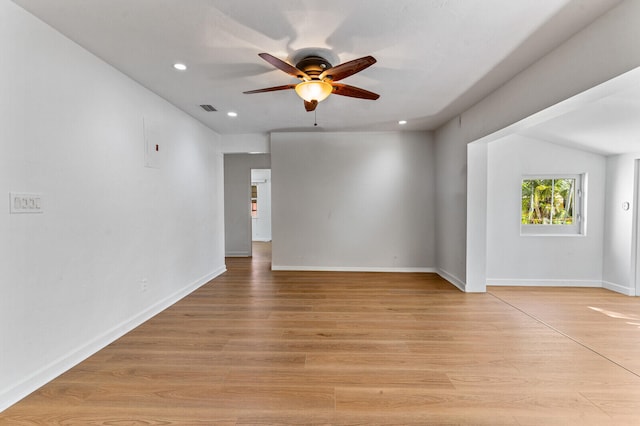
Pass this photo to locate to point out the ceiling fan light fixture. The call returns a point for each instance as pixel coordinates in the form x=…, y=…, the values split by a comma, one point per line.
x=314, y=90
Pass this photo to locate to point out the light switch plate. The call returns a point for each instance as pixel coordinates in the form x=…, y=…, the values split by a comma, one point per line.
x=22, y=202
x=152, y=143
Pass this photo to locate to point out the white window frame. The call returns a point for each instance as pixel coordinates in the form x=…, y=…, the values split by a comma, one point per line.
x=576, y=229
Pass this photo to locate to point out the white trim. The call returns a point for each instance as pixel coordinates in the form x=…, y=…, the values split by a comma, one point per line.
x=618, y=288
x=452, y=279
x=262, y=240
x=39, y=378
x=635, y=232
x=517, y=282
x=352, y=269
x=441, y=272
x=237, y=254
x=534, y=234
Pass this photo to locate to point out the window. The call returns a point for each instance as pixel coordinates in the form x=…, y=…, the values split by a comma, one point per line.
x=551, y=205
x=254, y=200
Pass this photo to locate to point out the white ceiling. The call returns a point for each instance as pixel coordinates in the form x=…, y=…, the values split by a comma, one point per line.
x=435, y=58
x=602, y=120
x=609, y=125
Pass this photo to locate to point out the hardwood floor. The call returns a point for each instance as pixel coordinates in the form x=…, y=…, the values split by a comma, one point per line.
x=256, y=347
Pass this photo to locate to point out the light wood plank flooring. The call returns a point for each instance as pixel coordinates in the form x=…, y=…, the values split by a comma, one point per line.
x=256, y=347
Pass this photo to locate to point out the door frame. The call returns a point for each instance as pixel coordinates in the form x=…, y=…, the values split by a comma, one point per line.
x=635, y=231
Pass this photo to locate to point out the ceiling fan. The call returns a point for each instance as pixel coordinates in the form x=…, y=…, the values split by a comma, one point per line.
x=318, y=78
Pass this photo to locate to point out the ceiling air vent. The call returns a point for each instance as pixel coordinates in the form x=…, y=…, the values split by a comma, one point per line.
x=208, y=108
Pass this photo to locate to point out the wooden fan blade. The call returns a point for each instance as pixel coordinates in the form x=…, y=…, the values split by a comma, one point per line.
x=310, y=106
x=353, y=92
x=283, y=66
x=271, y=89
x=348, y=68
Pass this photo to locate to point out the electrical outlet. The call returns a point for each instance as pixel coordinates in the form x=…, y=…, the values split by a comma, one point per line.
x=20, y=202
x=143, y=285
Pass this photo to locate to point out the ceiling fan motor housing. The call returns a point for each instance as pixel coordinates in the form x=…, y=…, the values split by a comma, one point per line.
x=313, y=66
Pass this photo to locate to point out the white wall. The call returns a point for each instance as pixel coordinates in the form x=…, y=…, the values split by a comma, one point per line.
x=477, y=193
x=237, y=199
x=245, y=143
x=353, y=201
x=618, y=250
x=513, y=259
x=599, y=52
x=117, y=241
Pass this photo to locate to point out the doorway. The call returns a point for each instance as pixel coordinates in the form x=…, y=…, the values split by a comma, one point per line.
x=261, y=205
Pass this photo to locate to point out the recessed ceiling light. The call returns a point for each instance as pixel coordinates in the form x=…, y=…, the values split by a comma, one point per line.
x=232, y=114
x=180, y=67
x=402, y=122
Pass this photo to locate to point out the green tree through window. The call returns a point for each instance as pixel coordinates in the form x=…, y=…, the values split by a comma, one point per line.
x=548, y=201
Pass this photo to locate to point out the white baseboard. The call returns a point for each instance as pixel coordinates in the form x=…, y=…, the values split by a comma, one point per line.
x=262, y=240
x=39, y=378
x=452, y=279
x=628, y=291
x=237, y=254
x=442, y=273
x=352, y=269
x=517, y=282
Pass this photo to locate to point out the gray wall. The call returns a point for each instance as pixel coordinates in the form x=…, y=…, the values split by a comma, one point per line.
x=513, y=259
x=353, y=201
x=237, y=197
x=601, y=51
